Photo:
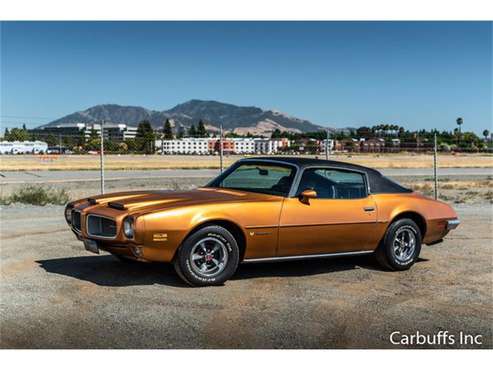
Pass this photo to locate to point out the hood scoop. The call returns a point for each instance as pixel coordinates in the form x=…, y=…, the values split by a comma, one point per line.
x=116, y=205
x=92, y=201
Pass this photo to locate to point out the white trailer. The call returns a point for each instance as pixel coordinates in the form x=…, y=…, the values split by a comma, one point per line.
x=23, y=147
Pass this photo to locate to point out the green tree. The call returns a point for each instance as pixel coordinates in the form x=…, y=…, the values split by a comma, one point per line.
x=145, y=137
x=51, y=140
x=192, y=132
x=131, y=145
x=18, y=134
x=364, y=132
x=122, y=148
x=276, y=134
x=80, y=139
x=93, y=144
x=93, y=134
x=201, y=131
x=167, y=130
x=486, y=134
x=459, y=122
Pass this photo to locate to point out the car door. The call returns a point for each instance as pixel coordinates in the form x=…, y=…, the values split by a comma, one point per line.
x=341, y=218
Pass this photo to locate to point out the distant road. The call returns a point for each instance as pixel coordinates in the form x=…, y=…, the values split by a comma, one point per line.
x=42, y=177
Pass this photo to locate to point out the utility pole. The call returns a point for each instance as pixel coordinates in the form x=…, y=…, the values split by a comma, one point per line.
x=162, y=144
x=435, y=174
x=221, y=147
x=101, y=157
x=459, y=122
x=327, y=145
x=59, y=143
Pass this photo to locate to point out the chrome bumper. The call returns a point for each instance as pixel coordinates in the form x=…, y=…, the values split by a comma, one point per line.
x=452, y=224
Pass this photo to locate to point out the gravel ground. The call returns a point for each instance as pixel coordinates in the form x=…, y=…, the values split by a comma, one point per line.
x=56, y=295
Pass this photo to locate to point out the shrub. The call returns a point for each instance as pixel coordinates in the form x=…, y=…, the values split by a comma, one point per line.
x=444, y=147
x=37, y=195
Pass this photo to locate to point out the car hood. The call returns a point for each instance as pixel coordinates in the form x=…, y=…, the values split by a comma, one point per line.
x=148, y=201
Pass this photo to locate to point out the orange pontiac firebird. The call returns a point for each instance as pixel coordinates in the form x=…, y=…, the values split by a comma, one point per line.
x=264, y=210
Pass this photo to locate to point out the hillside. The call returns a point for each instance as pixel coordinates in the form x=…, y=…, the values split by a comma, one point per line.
x=233, y=118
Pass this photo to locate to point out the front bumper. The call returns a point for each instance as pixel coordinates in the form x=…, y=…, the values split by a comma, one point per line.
x=452, y=224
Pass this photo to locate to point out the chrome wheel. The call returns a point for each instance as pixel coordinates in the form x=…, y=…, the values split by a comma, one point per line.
x=208, y=257
x=404, y=244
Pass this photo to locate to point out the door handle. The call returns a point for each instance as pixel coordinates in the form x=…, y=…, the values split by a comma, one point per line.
x=368, y=209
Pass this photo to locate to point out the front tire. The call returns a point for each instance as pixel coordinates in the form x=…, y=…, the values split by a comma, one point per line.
x=209, y=256
x=401, y=245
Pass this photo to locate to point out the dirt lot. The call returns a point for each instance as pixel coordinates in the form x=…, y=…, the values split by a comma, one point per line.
x=462, y=189
x=56, y=295
x=136, y=162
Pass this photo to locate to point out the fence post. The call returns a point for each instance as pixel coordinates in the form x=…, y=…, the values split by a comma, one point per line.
x=101, y=157
x=327, y=144
x=435, y=175
x=221, y=147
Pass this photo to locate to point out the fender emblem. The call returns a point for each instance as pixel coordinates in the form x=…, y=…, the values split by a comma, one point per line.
x=252, y=233
x=160, y=237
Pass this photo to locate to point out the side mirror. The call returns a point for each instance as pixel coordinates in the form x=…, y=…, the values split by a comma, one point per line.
x=306, y=195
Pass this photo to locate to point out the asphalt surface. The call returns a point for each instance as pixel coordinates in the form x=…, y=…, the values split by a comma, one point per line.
x=25, y=177
x=54, y=294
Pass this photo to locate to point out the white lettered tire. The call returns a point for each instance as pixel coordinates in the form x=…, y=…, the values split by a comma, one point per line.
x=401, y=245
x=209, y=256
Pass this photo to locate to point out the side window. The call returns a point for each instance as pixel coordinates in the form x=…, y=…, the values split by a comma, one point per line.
x=333, y=184
x=264, y=178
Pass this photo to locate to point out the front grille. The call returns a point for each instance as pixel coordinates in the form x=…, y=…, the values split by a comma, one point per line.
x=76, y=220
x=101, y=226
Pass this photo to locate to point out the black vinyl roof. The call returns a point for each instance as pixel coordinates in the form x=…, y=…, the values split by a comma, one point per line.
x=309, y=162
x=378, y=183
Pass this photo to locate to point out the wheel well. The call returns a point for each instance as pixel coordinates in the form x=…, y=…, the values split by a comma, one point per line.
x=416, y=217
x=233, y=228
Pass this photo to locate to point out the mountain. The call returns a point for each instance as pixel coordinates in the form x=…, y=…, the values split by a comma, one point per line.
x=233, y=118
x=108, y=112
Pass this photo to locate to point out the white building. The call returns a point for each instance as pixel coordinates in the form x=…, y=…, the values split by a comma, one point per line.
x=270, y=146
x=112, y=131
x=23, y=147
x=324, y=144
x=244, y=145
x=184, y=146
x=230, y=145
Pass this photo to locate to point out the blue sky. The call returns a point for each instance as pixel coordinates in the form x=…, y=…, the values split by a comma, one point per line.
x=416, y=74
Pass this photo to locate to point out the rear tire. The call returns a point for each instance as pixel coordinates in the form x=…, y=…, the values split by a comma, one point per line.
x=400, y=246
x=209, y=256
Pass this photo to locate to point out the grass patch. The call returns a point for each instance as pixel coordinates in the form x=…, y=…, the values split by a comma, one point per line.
x=37, y=195
x=141, y=162
x=422, y=187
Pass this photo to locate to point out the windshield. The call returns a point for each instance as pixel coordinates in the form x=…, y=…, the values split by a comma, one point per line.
x=268, y=178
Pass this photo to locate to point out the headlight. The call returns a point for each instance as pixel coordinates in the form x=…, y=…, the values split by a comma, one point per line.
x=68, y=213
x=128, y=227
